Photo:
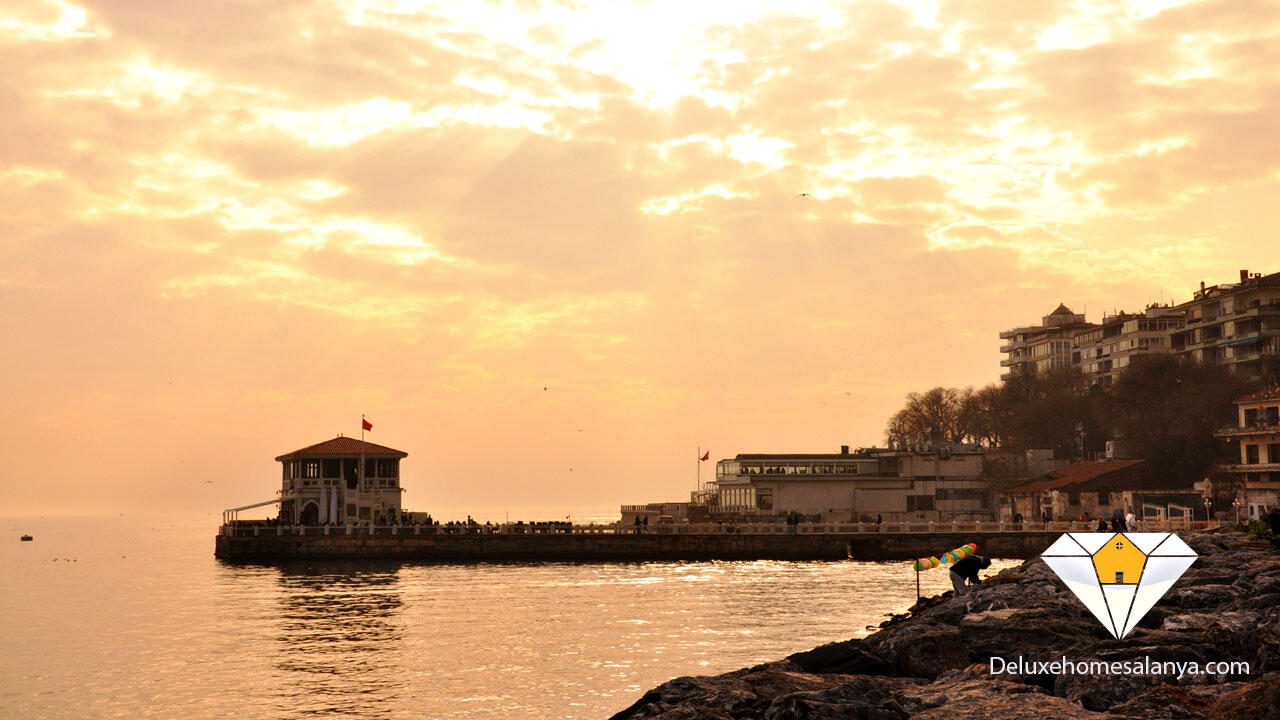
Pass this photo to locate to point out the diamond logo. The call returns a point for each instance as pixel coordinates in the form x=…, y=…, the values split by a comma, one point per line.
x=1119, y=576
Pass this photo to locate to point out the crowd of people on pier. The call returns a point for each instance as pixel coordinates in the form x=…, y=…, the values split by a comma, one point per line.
x=425, y=524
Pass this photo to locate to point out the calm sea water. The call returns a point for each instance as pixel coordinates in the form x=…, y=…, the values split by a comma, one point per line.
x=125, y=618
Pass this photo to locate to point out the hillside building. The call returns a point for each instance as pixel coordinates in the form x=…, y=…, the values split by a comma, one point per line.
x=1257, y=434
x=1037, y=349
x=1237, y=325
x=1103, y=351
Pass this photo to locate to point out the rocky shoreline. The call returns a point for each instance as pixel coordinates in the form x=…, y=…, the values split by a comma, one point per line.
x=934, y=662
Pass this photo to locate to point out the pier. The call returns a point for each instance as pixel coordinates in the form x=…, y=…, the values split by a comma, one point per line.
x=262, y=542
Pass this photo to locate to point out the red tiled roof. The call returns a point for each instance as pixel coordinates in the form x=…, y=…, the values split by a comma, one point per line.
x=1267, y=393
x=1073, y=474
x=344, y=447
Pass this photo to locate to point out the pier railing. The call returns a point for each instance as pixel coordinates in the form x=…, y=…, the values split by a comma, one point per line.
x=258, y=528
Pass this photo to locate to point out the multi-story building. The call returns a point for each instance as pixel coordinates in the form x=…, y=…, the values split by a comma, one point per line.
x=1237, y=325
x=1104, y=351
x=927, y=483
x=1258, y=433
x=1037, y=349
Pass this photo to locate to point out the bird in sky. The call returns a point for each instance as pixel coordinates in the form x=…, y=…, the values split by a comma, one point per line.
x=803, y=195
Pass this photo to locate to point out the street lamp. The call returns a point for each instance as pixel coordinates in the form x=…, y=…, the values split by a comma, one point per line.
x=1237, y=505
x=1208, y=507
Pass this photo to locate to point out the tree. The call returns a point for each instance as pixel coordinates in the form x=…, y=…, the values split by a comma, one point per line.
x=1166, y=409
x=936, y=409
x=979, y=416
x=1044, y=411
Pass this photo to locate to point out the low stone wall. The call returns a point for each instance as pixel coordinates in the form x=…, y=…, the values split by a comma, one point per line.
x=624, y=547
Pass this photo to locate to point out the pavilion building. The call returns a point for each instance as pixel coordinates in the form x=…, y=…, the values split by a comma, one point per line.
x=340, y=481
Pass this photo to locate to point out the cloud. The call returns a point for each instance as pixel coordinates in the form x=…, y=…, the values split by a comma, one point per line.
x=308, y=207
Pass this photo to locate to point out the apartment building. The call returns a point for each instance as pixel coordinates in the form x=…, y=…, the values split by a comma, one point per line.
x=1237, y=325
x=1104, y=351
x=1037, y=349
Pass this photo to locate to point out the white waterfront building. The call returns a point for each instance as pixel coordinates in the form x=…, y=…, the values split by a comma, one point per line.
x=924, y=483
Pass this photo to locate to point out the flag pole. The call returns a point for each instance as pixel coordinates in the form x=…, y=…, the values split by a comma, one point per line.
x=360, y=469
x=699, y=464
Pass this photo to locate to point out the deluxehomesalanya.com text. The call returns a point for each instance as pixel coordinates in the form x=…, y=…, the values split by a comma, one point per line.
x=1142, y=666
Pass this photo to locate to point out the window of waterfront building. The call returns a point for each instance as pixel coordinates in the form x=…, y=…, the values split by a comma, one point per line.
x=1251, y=454
x=388, y=467
x=332, y=468
x=916, y=503
x=370, y=467
x=311, y=468
x=1273, y=415
x=1273, y=453
x=1250, y=417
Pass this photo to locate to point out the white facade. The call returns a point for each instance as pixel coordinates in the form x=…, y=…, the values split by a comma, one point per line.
x=341, y=481
x=1257, y=433
x=927, y=484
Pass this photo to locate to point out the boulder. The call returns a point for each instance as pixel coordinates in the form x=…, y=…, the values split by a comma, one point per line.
x=1259, y=700
x=1192, y=595
x=925, y=649
x=850, y=657
x=982, y=699
x=1168, y=702
x=862, y=698
x=742, y=694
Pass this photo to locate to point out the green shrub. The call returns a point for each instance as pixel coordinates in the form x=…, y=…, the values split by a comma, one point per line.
x=1261, y=530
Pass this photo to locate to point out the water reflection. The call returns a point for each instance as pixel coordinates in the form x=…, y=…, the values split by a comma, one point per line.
x=340, y=640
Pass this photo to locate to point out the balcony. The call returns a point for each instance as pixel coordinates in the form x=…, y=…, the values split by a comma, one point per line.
x=1254, y=468
x=1257, y=428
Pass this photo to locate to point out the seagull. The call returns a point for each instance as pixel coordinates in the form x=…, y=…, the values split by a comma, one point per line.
x=802, y=195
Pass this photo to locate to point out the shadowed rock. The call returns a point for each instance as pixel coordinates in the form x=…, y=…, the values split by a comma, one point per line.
x=934, y=663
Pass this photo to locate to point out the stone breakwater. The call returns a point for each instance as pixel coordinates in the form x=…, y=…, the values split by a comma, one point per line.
x=935, y=663
x=275, y=544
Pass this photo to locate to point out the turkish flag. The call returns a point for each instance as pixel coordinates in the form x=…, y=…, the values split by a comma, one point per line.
x=705, y=455
x=365, y=424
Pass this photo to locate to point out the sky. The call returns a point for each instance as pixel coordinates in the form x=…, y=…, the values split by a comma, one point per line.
x=551, y=250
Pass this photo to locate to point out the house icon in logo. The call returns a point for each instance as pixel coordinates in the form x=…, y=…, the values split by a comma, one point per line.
x=1119, y=576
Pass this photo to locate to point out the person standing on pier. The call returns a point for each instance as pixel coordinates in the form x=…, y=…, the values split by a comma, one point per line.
x=967, y=569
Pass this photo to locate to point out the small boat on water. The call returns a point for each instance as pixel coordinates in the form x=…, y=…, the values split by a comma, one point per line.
x=27, y=538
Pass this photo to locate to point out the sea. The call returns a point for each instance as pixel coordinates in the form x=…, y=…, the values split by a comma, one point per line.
x=135, y=618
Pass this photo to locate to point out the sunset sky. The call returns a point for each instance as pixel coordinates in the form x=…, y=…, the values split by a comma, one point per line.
x=550, y=250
